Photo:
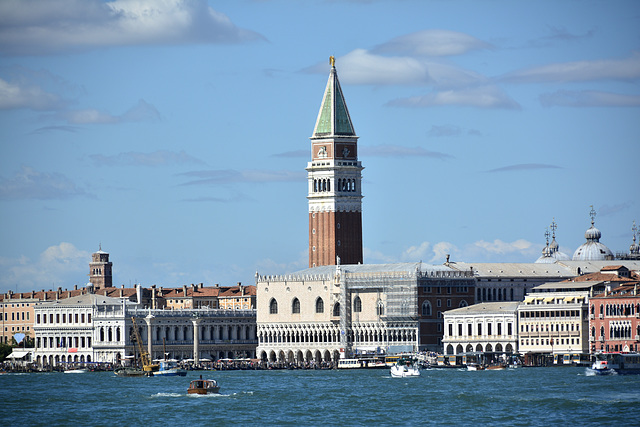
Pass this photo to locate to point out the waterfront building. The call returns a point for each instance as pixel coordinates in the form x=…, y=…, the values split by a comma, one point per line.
x=17, y=315
x=335, y=178
x=490, y=328
x=554, y=323
x=331, y=312
x=194, y=335
x=614, y=313
x=18, y=310
x=64, y=329
x=97, y=328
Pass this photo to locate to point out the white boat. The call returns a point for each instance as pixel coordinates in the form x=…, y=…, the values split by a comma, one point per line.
x=616, y=363
x=169, y=368
x=474, y=367
x=76, y=371
x=402, y=370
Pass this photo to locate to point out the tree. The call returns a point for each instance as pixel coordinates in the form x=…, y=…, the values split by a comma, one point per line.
x=5, y=350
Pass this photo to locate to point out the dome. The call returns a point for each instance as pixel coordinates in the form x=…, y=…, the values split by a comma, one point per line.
x=551, y=252
x=592, y=234
x=592, y=249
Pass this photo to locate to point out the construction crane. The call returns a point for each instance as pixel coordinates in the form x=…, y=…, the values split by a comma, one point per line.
x=147, y=366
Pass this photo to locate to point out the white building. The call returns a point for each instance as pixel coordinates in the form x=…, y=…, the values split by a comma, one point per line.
x=554, y=323
x=482, y=328
x=97, y=328
x=64, y=329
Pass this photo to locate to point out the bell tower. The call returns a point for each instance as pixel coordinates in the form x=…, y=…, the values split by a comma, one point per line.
x=335, y=177
x=100, y=270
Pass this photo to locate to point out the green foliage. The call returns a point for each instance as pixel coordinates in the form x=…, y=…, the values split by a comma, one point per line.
x=5, y=350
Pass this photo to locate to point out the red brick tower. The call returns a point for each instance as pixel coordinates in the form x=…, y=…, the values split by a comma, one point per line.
x=335, y=176
x=100, y=270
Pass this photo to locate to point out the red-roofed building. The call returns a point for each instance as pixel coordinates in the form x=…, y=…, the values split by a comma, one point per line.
x=614, y=315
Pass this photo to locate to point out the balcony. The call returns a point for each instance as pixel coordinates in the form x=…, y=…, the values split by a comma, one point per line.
x=600, y=316
x=592, y=316
x=601, y=339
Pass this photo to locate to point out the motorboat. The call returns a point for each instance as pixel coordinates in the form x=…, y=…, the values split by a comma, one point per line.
x=616, y=363
x=474, y=367
x=201, y=386
x=130, y=372
x=404, y=369
x=496, y=367
x=76, y=371
x=169, y=368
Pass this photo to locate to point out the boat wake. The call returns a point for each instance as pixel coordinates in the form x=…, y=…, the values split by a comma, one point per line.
x=167, y=395
x=588, y=372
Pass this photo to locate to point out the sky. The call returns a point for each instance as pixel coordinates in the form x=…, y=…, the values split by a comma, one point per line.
x=175, y=134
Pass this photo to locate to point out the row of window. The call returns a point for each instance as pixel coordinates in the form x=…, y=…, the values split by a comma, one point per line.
x=559, y=327
x=616, y=331
x=15, y=328
x=71, y=318
x=438, y=289
x=63, y=342
x=15, y=315
x=617, y=309
x=494, y=294
x=324, y=184
x=549, y=314
x=18, y=305
x=547, y=341
x=479, y=329
x=295, y=306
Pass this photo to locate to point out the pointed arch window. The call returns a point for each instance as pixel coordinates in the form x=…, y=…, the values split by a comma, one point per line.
x=463, y=303
x=357, y=305
x=295, y=306
x=336, y=309
x=319, y=305
x=273, y=306
x=426, y=308
x=380, y=309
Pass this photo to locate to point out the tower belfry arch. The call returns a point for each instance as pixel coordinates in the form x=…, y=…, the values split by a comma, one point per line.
x=334, y=179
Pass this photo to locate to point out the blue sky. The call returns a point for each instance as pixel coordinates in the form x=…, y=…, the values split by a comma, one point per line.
x=175, y=134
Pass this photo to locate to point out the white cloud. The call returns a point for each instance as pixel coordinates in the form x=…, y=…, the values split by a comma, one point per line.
x=627, y=69
x=61, y=265
x=480, y=97
x=46, y=26
x=498, y=247
x=361, y=67
x=432, y=43
x=31, y=184
x=20, y=95
x=480, y=251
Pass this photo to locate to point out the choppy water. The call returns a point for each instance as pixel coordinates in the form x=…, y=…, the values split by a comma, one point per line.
x=524, y=396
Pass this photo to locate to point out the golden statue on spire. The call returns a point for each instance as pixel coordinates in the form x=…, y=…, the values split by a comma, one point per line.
x=332, y=61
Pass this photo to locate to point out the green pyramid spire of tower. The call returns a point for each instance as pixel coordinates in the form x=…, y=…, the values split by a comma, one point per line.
x=333, y=118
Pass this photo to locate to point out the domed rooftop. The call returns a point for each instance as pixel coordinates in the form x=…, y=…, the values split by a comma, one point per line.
x=592, y=249
x=551, y=252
